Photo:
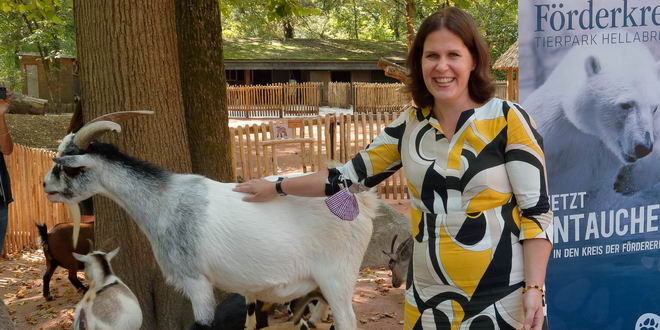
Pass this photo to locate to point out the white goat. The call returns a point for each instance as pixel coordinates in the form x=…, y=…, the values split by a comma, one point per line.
x=109, y=303
x=203, y=235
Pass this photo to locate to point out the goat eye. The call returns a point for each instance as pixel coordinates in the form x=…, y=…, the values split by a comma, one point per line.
x=72, y=171
x=655, y=109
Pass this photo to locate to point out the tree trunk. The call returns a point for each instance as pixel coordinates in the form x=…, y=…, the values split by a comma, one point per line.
x=410, y=14
x=204, y=87
x=128, y=61
x=355, y=21
x=288, y=29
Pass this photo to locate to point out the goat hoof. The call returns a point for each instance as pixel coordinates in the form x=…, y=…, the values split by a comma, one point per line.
x=48, y=298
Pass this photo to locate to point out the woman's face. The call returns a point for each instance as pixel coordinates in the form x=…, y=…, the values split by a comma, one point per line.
x=446, y=67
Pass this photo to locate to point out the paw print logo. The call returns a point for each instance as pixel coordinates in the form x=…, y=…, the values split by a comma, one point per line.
x=648, y=321
x=648, y=324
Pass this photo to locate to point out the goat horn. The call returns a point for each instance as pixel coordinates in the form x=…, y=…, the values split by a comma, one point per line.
x=91, y=131
x=393, y=241
x=121, y=116
x=85, y=135
x=74, y=212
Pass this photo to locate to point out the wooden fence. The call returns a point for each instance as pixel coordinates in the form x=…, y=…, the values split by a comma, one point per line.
x=339, y=94
x=368, y=97
x=500, y=89
x=256, y=148
x=27, y=167
x=276, y=100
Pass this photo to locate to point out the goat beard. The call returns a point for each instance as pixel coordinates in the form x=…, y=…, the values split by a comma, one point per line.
x=74, y=212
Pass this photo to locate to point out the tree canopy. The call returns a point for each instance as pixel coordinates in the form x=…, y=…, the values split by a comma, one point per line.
x=46, y=26
x=361, y=19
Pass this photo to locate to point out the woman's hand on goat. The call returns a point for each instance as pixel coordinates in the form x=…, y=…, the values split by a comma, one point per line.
x=260, y=190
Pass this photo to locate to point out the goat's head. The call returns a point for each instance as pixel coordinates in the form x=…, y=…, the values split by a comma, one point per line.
x=97, y=264
x=399, y=261
x=75, y=175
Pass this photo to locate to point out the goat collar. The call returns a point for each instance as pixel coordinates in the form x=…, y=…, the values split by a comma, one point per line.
x=107, y=286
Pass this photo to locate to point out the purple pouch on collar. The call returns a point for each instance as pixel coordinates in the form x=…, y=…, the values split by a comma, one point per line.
x=343, y=204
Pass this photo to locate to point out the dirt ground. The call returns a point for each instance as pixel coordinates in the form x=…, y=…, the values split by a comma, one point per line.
x=377, y=305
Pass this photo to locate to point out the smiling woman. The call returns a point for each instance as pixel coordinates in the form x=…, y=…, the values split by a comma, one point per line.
x=462, y=137
x=480, y=218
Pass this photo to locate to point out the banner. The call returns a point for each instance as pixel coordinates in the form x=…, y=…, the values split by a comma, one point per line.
x=590, y=78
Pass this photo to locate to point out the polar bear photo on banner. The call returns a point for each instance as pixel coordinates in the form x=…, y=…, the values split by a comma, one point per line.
x=596, y=114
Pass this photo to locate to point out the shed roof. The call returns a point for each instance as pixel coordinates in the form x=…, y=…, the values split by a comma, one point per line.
x=508, y=60
x=317, y=50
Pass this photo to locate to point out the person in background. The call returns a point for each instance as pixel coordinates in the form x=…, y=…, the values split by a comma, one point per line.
x=480, y=216
x=6, y=148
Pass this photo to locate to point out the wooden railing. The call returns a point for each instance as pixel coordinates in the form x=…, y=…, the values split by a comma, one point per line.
x=368, y=97
x=339, y=94
x=314, y=141
x=500, y=89
x=276, y=100
x=27, y=167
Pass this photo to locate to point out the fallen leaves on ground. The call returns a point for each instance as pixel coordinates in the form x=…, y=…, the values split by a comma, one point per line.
x=38, y=131
x=21, y=290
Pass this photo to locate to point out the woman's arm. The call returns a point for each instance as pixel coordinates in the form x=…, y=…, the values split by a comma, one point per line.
x=525, y=164
x=312, y=185
x=536, y=252
x=380, y=159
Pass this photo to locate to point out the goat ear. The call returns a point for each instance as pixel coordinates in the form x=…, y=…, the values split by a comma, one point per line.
x=112, y=254
x=80, y=257
x=74, y=161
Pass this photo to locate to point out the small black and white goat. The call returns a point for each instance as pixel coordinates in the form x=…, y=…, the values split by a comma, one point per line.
x=203, y=235
x=109, y=303
x=400, y=260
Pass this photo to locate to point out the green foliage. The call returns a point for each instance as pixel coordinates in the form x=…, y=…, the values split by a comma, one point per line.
x=238, y=49
x=262, y=18
x=286, y=9
x=36, y=26
x=362, y=19
x=498, y=20
x=47, y=25
x=37, y=10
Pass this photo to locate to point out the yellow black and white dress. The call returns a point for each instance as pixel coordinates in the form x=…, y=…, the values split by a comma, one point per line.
x=474, y=199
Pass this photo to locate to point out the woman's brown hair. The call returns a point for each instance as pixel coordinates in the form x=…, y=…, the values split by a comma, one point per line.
x=460, y=23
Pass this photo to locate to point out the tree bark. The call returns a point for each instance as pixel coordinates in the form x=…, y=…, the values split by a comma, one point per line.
x=355, y=21
x=410, y=14
x=128, y=61
x=203, y=85
x=288, y=29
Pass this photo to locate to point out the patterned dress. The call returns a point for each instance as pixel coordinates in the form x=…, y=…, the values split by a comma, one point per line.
x=474, y=199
